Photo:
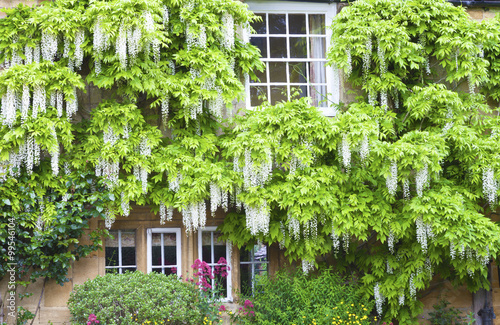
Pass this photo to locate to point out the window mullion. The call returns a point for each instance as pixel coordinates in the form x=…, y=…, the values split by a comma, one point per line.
x=120, y=250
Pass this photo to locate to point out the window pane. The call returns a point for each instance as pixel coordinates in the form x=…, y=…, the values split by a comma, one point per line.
x=298, y=91
x=111, y=256
x=317, y=72
x=318, y=95
x=170, y=270
x=170, y=253
x=257, y=95
x=246, y=279
x=128, y=256
x=260, y=26
x=261, y=75
x=206, y=252
x=245, y=254
x=298, y=72
x=298, y=47
x=261, y=43
x=318, y=47
x=278, y=94
x=297, y=24
x=261, y=253
x=156, y=249
x=129, y=269
x=277, y=24
x=277, y=71
x=278, y=47
x=317, y=24
x=219, y=251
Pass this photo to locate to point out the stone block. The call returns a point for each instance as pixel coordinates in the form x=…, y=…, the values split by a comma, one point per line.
x=84, y=269
x=5, y=3
x=15, y=3
x=55, y=315
x=490, y=14
x=57, y=295
x=476, y=14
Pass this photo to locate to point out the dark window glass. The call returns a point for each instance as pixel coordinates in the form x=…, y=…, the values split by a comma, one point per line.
x=260, y=26
x=277, y=24
x=261, y=43
x=297, y=23
x=277, y=71
x=278, y=94
x=278, y=47
x=317, y=24
x=298, y=47
x=258, y=95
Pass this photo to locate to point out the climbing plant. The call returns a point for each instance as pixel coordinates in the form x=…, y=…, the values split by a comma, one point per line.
x=166, y=73
x=399, y=185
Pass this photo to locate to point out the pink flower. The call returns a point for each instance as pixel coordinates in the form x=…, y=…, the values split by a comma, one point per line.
x=222, y=308
x=248, y=303
x=88, y=323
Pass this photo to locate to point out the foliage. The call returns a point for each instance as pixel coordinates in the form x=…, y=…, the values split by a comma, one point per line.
x=294, y=298
x=135, y=298
x=399, y=184
x=443, y=314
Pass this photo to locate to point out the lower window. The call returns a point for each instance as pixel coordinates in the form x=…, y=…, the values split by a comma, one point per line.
x=120, y=251
x=253, y=264
x=164, y=250
x=216, y=253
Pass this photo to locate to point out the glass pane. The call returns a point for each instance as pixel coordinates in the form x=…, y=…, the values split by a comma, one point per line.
x=298, y=47
x=318, y=95
x=318, y=47
x=278, y=94
x=128, y=269
x=170, y=270
x=317, y=72
x=261, y=75
x=297, y=24
x=170, y=257
x=217, y=238
x=221, y=284
x=220, y=251
x=278, y=47
x=112, y=242
x=257, y=95
x=128, y=256
x=245, y=254
x=298, y=91
x=206, y=254
x=112, y=271
x=317, y=24
x=128, y=238
x=260, y=26
x=111, y=256
x=246, y=279
x=159, y=270
x=298, y=72
x=156, y=255
x=261, y=43
x=277, y=71
x=277, y=24
x=261, y=253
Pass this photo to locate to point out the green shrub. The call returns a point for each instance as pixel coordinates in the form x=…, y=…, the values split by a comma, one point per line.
x=135, y=298
x=324, y=298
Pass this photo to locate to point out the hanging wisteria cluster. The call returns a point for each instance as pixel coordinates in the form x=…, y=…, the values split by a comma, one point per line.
x=307, y=266
x=257, y=218
x=28, y=154
x=345, y=152
x=109, y=218
x=424, y=233
x=422, y=180
x=392, y=179
x=490, y=186
x=194, y=216
x=54, y=161
x=166, y=214
x=218, y=198
x=379, y=299
x=256, y=175
x=125, y=204
x=364, y=149
x=391, y=239
x=227, y=31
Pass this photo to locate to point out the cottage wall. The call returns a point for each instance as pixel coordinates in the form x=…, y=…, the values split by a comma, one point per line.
x=52, y=304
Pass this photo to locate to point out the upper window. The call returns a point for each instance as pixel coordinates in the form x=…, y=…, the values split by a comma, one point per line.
x=120, y=251
x=293, y=38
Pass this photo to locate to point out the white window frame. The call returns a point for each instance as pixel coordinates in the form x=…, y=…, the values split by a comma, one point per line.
x=229, y=295
x=291, y=7
x=177, y=232
x=120, y=266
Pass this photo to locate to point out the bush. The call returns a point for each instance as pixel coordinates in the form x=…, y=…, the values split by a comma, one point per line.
x=135, y=298
x=325, y=298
